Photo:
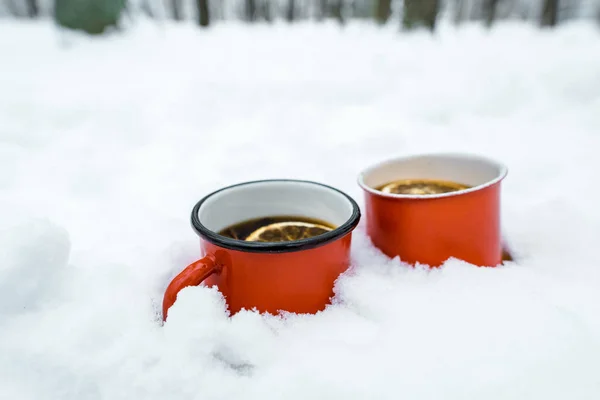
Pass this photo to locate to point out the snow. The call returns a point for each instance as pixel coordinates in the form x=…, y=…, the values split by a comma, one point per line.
x=106, y=144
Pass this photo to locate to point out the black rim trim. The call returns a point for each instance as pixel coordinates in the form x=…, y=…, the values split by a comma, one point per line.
x=296, y=245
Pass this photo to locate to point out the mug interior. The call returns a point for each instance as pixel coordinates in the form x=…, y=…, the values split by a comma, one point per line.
x=246, y=201
x=474, y=171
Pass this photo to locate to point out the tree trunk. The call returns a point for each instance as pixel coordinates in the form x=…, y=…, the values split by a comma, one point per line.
x=266, y=10
x=549, y=13
x=290, y=12
x=250, y=10
x=383, y=11
x=459, y=12
x=354, y=9
x=32, y=8
x=176, y=10
x=489, y=9
x=13, y=9
x=420, y=13
x=203, y=13
x=321, y=10
x=337, y=10
x=146, y=8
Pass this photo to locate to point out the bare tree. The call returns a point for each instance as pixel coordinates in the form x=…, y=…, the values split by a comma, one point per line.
x=336, y=10
x=32, y=8
x=13, y=8
x=549, y=13
x=489, y=10
x=420, y=13
x=146, y=8
x=475, y=10
x=368, y=9
x=250, y=10
x=176, y=10
x=203, y=12
x=355, y=8
x=321, y=9
x=459, y=11
x=383, y=11
x=290, y=11
x=266, y=10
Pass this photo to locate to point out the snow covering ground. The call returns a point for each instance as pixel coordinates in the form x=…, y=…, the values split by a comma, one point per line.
x=106, y=144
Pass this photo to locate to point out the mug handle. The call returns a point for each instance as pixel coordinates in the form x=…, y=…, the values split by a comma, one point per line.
x=192, y=275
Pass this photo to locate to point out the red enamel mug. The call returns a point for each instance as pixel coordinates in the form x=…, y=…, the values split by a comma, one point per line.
x=429, y=229
x=295, y=276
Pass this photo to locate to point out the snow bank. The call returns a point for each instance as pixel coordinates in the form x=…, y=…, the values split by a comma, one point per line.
x=105, y=145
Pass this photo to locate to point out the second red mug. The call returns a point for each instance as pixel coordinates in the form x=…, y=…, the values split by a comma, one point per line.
x=296, y=276
x=429, y=229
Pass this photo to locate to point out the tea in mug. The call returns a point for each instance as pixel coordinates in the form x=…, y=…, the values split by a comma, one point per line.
x=277, y=229
x=421, y=186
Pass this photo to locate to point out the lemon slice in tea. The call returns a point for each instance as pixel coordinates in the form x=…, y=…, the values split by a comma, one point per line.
x=287, y=231
x=422, y=187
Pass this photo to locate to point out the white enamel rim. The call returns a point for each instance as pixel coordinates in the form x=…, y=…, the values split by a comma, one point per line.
x=458, y=158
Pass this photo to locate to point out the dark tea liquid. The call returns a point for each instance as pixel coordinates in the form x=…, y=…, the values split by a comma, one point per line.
x=421, y=186
x=277, y=229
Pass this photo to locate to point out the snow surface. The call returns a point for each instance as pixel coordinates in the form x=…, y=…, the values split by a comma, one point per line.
x=106, y=144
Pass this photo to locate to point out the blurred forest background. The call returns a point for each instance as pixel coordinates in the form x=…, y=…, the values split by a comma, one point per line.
x=95, y=16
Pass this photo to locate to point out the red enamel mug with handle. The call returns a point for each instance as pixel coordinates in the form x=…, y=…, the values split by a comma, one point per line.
x=295, y=276
x=429, y=229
